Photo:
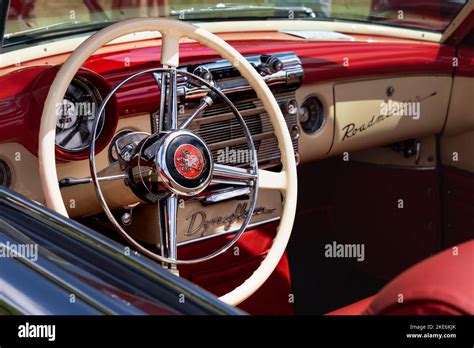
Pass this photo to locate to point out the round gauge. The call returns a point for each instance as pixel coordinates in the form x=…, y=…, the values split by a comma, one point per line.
x=312, y=115
x=76, y=116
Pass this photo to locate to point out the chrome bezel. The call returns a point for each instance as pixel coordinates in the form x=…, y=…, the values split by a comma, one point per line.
x=94, y=92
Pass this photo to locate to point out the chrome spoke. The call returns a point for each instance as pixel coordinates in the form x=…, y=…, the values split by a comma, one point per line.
x=167, y=118
x=230, y=182
x=224, y=174
x=69, y=181
x=168, y=211
x=159, y=126
x=172, y=101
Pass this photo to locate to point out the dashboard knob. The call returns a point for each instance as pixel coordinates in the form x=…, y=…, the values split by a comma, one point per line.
x=270, y=65
x=276, y=65
x=203, y=73
x=207, y=76
x=126, y=219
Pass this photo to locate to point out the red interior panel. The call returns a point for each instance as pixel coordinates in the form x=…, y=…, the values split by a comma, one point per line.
x=227, y=271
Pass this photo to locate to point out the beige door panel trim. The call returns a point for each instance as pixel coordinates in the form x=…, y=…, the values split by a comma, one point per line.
x=457, y=140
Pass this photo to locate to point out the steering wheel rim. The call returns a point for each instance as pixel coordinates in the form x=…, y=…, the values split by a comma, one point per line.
x=171, y=31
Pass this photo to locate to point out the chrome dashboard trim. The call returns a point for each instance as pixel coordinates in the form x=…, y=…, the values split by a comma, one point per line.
x=289, y=75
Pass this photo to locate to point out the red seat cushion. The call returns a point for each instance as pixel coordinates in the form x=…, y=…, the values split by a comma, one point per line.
x=443, y=284
x=356, y=308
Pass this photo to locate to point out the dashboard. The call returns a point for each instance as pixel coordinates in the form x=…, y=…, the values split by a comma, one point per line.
x=220, y=211
x=320, y=91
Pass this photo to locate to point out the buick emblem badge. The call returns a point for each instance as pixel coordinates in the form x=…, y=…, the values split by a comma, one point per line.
x=189, y=161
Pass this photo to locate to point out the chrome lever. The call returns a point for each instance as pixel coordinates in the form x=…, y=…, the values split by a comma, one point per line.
x=67, y=182
x=226, y=195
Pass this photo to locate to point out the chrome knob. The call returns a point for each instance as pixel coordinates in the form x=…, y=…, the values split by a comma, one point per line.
x=275, y=64
x=203, y=73
x=126, y=219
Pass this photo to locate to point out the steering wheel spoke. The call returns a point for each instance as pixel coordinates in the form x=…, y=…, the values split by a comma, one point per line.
x=235, y=176
x=272, y=180
x=168, y=218
x=168, y=112
x=170, y=49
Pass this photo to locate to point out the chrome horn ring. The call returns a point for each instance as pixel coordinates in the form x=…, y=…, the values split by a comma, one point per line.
x=168, y=212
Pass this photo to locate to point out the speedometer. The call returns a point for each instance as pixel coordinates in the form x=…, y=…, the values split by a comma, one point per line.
x=76, y=116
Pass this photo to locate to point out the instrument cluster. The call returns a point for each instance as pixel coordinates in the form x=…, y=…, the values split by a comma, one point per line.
x=78, y=112
x=76, y=116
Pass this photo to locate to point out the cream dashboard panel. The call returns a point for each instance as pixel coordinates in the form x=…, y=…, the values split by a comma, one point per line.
x=80, y=200
x=23, y=165
x=382, y=111
x=359, y=115
x=81, y=168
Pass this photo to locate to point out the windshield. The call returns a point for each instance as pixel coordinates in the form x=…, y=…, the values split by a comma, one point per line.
x=39, y=16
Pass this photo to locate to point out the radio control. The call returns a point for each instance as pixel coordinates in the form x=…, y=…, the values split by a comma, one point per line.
x=270, y=65
x=281, y=69
x=275, y=64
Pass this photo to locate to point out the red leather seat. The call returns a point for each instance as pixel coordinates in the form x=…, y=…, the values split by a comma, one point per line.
x=443, y=284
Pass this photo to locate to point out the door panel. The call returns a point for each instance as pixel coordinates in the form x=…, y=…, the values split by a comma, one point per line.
x=458, y=206
x=457, y=149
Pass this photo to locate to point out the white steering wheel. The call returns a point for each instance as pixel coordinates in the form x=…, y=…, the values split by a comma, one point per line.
x=172, y=31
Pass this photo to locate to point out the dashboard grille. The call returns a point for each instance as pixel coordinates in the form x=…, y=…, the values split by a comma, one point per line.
x=222, y=132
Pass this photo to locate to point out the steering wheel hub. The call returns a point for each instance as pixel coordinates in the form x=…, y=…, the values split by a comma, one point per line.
x=184, y=163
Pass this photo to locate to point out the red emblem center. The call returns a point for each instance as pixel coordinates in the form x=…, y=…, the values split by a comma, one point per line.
x=189, y=161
